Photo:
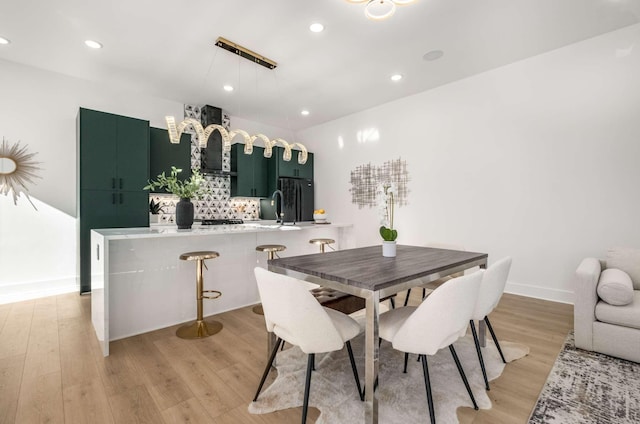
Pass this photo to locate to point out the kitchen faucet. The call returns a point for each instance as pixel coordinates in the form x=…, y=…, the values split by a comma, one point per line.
x=279, y=219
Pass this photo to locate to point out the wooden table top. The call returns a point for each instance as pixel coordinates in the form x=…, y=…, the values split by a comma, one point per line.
x=366, y=268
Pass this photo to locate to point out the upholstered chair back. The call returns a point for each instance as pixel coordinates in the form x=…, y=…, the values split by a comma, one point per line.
x=441, y=318
x=293, y=314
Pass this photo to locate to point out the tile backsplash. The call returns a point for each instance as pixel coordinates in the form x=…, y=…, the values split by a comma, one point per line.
x=218, y=204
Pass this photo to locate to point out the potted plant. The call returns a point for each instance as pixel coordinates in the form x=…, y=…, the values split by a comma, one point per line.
x=154, y=210
x=191, y=188
x=385, y=194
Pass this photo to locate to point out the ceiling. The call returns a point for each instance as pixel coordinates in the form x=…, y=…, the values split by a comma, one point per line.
x=166, y=48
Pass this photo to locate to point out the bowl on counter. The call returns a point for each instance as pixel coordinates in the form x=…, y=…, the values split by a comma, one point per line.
x=320, y=218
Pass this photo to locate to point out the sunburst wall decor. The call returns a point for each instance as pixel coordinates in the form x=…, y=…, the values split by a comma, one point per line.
x=17, y=169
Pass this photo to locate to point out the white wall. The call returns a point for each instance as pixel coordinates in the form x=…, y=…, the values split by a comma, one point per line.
x=539, y=160
x=39, y=108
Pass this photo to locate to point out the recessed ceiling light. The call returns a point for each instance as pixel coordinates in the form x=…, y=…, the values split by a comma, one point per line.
x=4, y=40
x=304, y=112
x=316, y=27
x=396, y=77
x=228, y=88
x=433, y=55
x=93, y=44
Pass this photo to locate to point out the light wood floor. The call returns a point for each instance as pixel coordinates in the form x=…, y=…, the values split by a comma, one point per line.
x=51, y=368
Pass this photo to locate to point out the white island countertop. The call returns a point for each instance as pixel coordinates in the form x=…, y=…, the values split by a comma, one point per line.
x=171, y=230
x=139, y=284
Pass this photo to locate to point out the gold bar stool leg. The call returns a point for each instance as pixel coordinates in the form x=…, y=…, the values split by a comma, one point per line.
x=271, y=250
x=200, y=328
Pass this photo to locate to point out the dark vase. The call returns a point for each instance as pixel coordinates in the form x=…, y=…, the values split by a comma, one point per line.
x=184, y=214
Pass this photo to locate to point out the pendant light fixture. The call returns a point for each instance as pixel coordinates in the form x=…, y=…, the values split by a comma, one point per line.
x=176, y=129
x=378, y=10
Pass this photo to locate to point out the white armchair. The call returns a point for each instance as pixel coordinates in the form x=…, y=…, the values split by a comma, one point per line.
x=606, y=325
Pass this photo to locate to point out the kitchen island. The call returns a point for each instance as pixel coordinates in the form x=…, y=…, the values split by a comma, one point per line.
x=139, y=284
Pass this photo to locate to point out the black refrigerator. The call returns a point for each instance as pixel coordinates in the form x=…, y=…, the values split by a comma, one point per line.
x=297, y=199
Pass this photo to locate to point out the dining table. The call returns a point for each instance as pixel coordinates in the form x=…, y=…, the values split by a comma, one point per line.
x=365, y=273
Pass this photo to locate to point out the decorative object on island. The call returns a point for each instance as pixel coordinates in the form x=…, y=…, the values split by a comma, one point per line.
x=385, y=194
x=154, y=211
x=16, y=170
x=378, y=10
x=320, y=216
x=186, y=190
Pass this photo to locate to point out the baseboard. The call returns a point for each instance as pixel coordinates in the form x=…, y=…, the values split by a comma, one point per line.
x=18, y=292
x=545, y=293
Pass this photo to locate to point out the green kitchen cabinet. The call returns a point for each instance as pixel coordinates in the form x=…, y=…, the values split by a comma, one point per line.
x=113, y=167
x=251, y=172
x=292, y=168
x=278, y=168
x=163, y=155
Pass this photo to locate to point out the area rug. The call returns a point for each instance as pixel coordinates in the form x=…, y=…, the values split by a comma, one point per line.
x=587, y=387
x=402, y=397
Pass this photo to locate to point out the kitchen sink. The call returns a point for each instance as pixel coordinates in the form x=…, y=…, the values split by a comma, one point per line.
x=273, y=226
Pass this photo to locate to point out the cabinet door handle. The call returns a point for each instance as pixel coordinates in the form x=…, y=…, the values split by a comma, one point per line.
x=113, y=183
x=113, y=198
x=120, y=198
x=97, y=251
x=120, y=183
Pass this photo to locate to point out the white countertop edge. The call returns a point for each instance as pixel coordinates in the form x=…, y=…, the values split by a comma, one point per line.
x=206, y=230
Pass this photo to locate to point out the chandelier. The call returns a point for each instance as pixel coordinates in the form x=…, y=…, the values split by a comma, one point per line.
x=378, y=10
x=176, y=129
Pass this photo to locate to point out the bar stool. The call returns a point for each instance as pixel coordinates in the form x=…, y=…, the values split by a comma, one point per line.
x=200, y=328
x=322, y=242
x=271, y=250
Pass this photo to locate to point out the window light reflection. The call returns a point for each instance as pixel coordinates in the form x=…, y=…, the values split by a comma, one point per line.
x=368, y=135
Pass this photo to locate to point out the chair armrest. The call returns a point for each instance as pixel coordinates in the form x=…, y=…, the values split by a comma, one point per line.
x=585, y=283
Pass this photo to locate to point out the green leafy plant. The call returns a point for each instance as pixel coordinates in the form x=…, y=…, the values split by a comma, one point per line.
x=191, y=188
x=388, y=234
x=155, y=208
x=385, y=194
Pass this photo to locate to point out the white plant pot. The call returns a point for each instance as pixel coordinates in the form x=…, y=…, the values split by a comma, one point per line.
x=389, y=249
x=154, y=219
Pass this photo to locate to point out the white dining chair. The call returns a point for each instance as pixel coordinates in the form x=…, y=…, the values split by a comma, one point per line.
x=441, y=319
x=491, y=289
x=295, y=316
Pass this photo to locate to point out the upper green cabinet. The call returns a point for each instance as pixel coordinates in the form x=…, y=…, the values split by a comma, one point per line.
x=292, y=168
x=114, y=151
x=278, y=168
x=113, y=155
x=163, y=155
x=251, y=172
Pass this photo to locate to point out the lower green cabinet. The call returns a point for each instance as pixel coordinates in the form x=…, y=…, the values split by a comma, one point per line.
x=108, y=209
